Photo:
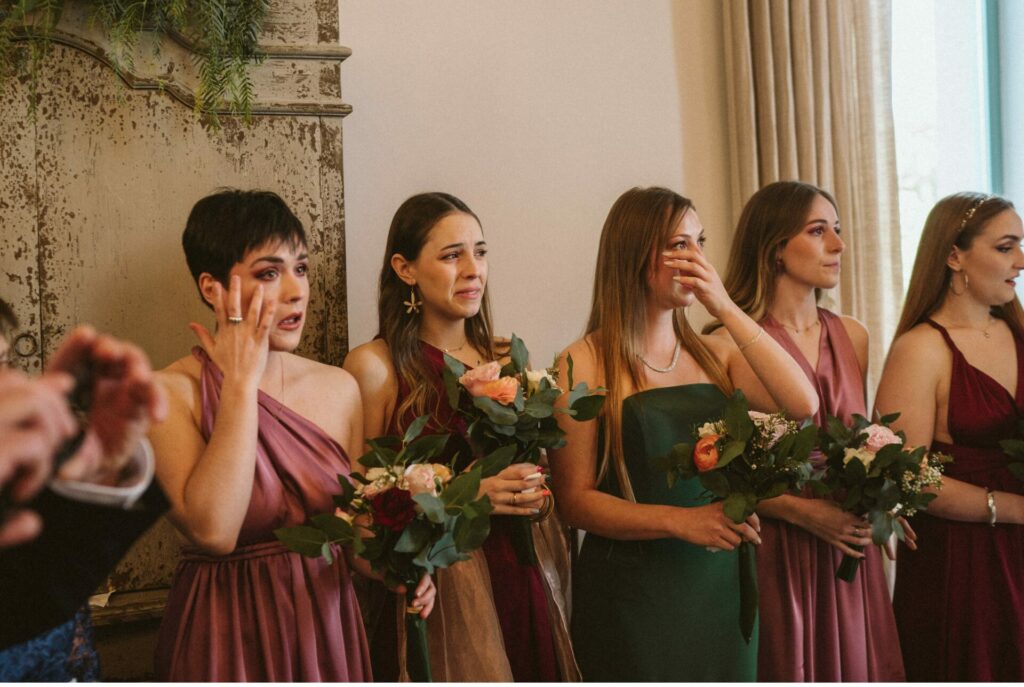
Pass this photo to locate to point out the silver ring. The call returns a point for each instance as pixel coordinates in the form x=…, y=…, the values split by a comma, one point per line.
x=236, y=319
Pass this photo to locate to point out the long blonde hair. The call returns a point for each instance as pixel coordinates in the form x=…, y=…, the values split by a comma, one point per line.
x=638, y=224
x=771, y=217
x=956, y=220
x=400, y=329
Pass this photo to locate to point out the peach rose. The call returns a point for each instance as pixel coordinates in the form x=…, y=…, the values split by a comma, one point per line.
x=478, y=376
x=879, y=436
x=502, y=390
x=705, y=453
x=420, y=479
x=442, y=472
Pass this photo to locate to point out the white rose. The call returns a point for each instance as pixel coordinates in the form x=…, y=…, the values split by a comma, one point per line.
x=707, y=429
x=533, y=378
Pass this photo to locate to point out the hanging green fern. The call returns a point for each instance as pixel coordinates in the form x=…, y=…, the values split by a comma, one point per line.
x=223, y=35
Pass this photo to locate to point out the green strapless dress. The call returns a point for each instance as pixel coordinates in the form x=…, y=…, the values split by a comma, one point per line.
x=660, y=610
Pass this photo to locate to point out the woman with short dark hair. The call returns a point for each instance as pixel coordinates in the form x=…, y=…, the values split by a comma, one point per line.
x=255, y=439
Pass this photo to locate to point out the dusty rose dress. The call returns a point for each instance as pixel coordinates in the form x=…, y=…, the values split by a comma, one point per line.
x=960, y=597
x=263, y=613
x=815, y=628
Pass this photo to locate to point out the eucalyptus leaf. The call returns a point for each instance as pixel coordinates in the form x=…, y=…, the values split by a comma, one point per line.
x=735, y=507
x=335, y=528
x=302, y=539
x=518, y=353
x=462, y=489
x=432, y=506
x=496, y=412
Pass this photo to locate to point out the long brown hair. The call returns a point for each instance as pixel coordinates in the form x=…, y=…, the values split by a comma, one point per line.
x=956, y=220
x=638, y=224
x=409, y=231
x=771, y=217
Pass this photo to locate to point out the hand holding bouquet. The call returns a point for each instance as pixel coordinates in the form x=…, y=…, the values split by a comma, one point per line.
x=742, y=459
x=407, y=516
x=872, y=474
x=510, y=415
x=1014, y=449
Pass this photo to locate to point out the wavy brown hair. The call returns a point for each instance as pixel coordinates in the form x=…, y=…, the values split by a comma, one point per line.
x=771, y=217
x=638, y=224
x=410, y=229
x=945, y=228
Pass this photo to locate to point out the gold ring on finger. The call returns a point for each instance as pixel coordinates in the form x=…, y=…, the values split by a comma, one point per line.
x=513, y=498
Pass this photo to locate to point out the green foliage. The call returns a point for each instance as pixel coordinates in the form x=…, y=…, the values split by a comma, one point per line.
x=223, y=33
x=1014, y=449
x=887, y=485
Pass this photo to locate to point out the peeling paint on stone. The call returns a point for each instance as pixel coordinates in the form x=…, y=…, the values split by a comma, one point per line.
x=94, y=195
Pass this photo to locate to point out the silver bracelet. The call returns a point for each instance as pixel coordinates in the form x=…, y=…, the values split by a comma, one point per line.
x=990, y=498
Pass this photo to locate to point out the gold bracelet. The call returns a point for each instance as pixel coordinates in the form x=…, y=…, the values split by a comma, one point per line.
x=990, y=498
x=757, y=337
x=545, y=512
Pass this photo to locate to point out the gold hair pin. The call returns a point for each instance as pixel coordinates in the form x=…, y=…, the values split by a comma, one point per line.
x=970, y=212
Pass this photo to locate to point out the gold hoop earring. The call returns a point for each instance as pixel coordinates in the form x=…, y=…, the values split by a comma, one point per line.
x=952, y=280
x=412, y=306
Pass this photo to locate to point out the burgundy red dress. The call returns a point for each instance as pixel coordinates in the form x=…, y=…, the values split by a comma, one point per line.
x=960, y=597
x=521, y=610
x=815, y=628
x=263, y=613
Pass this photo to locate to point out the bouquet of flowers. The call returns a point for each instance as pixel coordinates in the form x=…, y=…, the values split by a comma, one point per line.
x=407, y=516
x=1014, y=449
x=742, y=459
x=510, y=415
x=871, y=473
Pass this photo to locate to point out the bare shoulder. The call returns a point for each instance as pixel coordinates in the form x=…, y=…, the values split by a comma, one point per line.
x=918, y=350
x=371, y=365
x=720, y=343
x=181, y=381
x=584, y=354
x=855, y=329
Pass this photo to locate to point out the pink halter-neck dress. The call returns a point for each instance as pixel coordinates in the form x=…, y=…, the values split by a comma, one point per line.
x=815, y=628
x=263, y=613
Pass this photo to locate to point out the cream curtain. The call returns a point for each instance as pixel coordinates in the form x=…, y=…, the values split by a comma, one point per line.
x=809, y=99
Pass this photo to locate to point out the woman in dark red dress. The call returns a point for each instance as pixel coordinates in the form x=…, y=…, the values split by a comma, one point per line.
x=497, y=619
x=956, y=375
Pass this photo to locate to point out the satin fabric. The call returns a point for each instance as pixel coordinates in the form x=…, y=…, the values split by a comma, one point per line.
x=960, y=597
x=660, y=610
x=264, y=613
x=814, y=627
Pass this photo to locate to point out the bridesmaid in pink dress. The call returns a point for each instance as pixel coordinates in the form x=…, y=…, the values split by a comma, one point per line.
x=814, y=627
x=254, y=440
x=956, y=373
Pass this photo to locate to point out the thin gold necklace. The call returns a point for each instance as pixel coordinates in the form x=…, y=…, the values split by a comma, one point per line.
x=797, y=330
x=984, y=331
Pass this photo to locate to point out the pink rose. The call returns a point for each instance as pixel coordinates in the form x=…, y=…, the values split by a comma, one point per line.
x=879, y=436
x=420, y=479
x=772, y=425
x=474, y=379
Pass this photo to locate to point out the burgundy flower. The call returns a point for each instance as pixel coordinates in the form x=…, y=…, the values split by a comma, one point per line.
x=393, y=509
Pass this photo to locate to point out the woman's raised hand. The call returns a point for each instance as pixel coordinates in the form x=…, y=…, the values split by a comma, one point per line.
x=506, y=490
x=710, y=527
x=240, y=346
x=699, y=276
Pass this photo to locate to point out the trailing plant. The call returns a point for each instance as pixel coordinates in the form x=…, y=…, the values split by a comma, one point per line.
x=222, y=34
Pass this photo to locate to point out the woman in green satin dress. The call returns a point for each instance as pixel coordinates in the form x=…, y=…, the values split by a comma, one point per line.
x=651, y=602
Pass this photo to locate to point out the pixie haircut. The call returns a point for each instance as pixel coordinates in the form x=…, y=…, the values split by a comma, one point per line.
x=223, y=226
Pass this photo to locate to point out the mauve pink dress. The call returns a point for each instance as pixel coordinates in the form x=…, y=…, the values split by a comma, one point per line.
x=264, y=613
x=815, y=628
